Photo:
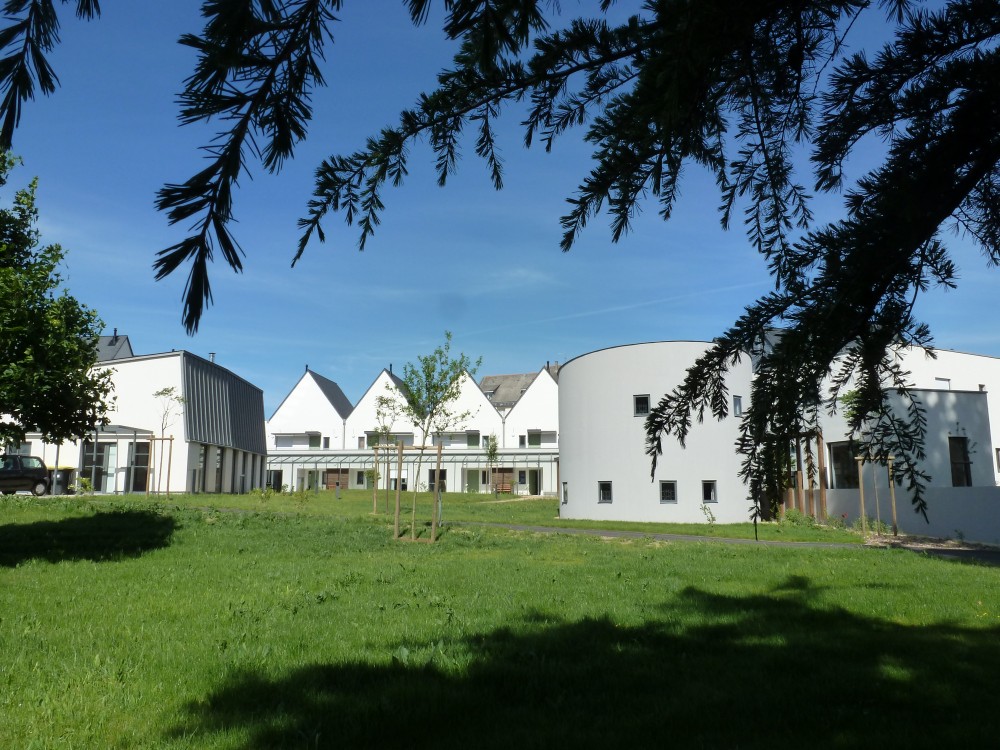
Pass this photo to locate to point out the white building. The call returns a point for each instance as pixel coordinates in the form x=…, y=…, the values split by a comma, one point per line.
x=205, y=436
x=527, y=461
x=604, y=398
x=315, y=401
x=605, y=395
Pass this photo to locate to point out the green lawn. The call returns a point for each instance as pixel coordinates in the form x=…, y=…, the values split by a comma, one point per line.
x=132, y=625
x=472, y=508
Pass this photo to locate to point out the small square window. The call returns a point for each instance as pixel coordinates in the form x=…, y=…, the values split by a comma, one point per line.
x=668, y=492
x=708, y=494
x=472, y=440
x=641, y=405
x=604, y=492
x=314, y=441
x=737, y=406
x=534, y=440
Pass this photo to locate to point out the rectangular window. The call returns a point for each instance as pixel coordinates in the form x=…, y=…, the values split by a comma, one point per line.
x=998, y=459
x=668, y=492
x=326, y=443
x=534, y=440
x=708, y=492
x=360, y=478
x=961, y=466
x=483, y=477
x=472, y=439
x=843, y=467
x=522, y=477
x=604, y=492
x=522, y=441
x=314, y=442
x=737, y=406
x=640, y=405
x=433, y=478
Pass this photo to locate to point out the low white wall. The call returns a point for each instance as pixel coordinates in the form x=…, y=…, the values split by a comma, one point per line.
x=972, y=513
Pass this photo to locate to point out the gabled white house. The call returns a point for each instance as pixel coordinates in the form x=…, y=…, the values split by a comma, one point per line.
x=207, y=436
x=465, y=467
x=312, y=416
x=533, y=420
x=368, y=417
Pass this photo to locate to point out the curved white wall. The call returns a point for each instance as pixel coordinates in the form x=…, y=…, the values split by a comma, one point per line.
x=601, y=439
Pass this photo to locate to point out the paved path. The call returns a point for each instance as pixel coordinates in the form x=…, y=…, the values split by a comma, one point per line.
x=987, y=556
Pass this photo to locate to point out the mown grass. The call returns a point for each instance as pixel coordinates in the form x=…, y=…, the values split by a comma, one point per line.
x=124, y=625
x=479, y=508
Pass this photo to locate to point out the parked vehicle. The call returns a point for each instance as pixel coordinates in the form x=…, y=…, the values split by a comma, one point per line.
x=23, y=473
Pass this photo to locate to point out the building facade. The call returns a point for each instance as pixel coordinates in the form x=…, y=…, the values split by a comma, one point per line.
x=178, y=423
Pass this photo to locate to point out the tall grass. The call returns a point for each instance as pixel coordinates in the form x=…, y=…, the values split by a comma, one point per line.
x=129, y=626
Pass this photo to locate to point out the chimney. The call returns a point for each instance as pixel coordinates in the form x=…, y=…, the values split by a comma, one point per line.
x=390, y=368
x=211, y=356
x=114, y=337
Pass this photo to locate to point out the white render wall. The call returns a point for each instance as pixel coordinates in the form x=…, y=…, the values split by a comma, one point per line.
x=949, y=414
x=305, y=408
x=537, y=409
x=970, y=513
x=602, y=440
x=959, y=371
x=363, y=419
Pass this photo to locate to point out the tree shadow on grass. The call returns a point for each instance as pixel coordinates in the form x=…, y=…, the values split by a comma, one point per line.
x=711, y=671
x=102, y=536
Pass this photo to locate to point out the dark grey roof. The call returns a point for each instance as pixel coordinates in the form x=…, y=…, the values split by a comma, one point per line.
x=333, y=394
x=506, y=389
x=113, y=347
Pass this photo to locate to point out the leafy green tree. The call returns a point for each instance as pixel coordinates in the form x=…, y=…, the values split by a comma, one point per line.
x=48, y=340
x=739, y=88
x=431, y=389
x=492, y=455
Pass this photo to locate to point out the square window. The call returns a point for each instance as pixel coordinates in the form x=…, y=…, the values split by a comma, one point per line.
x=668, y=492
x=708, y=492
x=604, y=492
x=641, y=405
x=534, y=439
x=314, y=441
x=472, y=440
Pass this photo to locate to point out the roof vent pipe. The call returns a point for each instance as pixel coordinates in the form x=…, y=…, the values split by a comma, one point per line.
x=211, y=356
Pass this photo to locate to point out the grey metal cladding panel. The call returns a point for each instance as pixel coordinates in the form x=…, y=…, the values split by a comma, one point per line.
x=221, y=408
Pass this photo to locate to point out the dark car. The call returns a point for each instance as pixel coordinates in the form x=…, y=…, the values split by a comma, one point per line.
x=23, y=473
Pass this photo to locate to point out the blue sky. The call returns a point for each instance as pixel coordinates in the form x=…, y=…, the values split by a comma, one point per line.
x=485, y=265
